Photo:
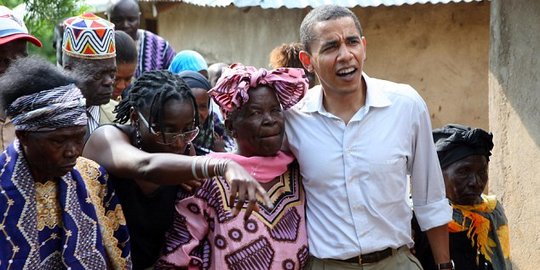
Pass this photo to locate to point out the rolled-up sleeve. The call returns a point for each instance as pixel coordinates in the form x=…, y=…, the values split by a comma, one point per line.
x=427, y=184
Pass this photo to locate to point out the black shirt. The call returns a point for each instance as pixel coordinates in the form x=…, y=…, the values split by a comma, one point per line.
x=148, y=218
x=462, y=252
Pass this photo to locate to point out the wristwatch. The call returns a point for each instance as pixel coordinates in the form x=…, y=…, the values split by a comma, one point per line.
x=446, y=266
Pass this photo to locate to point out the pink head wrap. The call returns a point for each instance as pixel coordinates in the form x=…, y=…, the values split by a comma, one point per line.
x=231, y=91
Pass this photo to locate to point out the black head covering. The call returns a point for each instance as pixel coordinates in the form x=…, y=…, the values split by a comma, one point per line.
x=455, y=142
x=195, y=79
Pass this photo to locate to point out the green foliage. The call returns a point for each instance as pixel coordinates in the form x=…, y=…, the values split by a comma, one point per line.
x=11, y=3
x=42, y=16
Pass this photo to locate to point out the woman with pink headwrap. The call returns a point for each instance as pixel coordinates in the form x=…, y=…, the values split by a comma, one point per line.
x=209, y=234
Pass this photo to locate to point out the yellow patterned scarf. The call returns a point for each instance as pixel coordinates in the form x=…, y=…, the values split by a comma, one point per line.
x=487, y=228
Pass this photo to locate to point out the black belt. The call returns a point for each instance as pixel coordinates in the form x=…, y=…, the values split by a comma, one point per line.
x=372, y=257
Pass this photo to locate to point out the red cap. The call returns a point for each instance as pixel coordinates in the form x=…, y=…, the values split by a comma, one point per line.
x=13, y=28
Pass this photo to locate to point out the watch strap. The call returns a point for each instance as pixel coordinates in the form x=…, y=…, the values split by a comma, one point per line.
x=447, y=265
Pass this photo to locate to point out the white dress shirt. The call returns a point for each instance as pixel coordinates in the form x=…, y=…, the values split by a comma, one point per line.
x=355, y=174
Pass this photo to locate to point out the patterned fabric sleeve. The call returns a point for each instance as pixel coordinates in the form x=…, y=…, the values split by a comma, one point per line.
x=116, y=219
x=155, y=53
x=167, y=56
x=189, y=229
x=501, y=256
x=111, y=218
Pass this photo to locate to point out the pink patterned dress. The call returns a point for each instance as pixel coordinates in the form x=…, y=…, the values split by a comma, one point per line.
x=205, y=235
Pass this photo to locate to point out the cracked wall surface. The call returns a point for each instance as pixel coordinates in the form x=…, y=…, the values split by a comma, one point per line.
x=514, y=118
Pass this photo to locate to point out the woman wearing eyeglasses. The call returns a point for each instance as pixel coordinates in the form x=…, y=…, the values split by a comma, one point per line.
x=147, y=159
x=206, y=233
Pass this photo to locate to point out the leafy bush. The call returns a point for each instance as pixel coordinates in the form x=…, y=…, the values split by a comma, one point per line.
x=42, y=16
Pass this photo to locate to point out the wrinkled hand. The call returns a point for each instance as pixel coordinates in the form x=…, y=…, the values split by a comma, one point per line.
x=246, y=187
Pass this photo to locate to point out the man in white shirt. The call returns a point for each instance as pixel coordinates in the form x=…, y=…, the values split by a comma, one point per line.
x=88, y=50
x=356, y=139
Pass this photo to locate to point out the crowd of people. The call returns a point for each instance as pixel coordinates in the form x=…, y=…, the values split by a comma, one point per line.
x=128, y=155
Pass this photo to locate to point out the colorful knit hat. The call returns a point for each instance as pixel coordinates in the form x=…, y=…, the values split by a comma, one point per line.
x=89, y=36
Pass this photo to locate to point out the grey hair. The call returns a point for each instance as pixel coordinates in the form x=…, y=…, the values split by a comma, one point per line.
x=31, y=75
x=79, y=67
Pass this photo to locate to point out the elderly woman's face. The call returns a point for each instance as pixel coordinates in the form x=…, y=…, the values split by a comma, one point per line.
x=53, y=153
x=466, y=179
x=259, y=126
x=174, y=132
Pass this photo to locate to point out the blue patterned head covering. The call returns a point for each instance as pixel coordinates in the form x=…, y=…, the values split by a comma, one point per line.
x=188, y=60
x=49, y=110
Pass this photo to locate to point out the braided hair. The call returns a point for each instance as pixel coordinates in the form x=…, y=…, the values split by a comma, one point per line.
x=150, y=92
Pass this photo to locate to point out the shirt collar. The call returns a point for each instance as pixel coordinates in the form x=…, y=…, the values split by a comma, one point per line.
x=313, y=102
x=376, y=96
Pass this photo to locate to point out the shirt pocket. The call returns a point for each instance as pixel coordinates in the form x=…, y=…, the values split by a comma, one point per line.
x=387, y=182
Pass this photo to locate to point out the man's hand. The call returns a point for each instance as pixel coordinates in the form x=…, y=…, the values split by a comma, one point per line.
x=438, y=240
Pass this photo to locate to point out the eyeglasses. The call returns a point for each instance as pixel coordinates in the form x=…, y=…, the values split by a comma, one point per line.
x=171, y=137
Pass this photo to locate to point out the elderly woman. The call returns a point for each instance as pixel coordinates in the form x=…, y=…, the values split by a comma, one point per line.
x=147, y=159
x=478, y=230
x=207, y=233
x=57, y=210
x=212, y=136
